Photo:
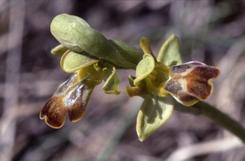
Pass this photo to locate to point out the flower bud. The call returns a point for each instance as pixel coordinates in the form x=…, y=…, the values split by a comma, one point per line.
x=75, y=34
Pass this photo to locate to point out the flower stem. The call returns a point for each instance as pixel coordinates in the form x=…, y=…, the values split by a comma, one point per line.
x=216, y=116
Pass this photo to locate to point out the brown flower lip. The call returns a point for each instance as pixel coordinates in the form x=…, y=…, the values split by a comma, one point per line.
x=67, y=100
x=191, y=82
x=53, y=112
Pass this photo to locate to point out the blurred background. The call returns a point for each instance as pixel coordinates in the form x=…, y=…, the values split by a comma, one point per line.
x=211, y=31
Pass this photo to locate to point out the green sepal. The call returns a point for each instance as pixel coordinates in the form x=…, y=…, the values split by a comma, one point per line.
x=154, y=112
x=169, y=53
x=112, y=83
x=72, y=61
x=144, y=68
x=59, y=50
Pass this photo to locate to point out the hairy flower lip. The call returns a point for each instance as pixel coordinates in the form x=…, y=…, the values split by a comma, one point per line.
x=69, y=99
x=191, y=82
x=210, y=77
x=53, y=112
x=75, y=103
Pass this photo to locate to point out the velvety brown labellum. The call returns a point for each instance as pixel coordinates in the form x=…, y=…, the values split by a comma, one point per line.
x=75, y=103
x=53, y=112
x=68, y=99
x=191, y=82
x=198, y=81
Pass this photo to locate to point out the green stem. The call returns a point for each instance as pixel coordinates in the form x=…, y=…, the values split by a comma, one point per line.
x=216, y=116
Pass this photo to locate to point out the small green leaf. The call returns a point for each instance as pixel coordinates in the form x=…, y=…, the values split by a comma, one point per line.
x=152, y=115
x=59, y=50
x=111, y=85
x=169, y=53
x=72, y=61
x=144, y=68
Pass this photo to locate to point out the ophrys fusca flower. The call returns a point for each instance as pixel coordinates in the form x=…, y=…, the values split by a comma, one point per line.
x=191, y=81
x=70, y=99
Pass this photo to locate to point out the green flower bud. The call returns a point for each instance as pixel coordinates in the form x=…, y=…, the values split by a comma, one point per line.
x=75, y=34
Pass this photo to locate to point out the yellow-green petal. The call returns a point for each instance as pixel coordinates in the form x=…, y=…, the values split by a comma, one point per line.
x=59, y=50
x=144, y=68
x=72, y=61
x=112, y=83
x=145, y=45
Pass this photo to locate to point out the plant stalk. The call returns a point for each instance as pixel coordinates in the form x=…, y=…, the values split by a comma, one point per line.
x=216, y=116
